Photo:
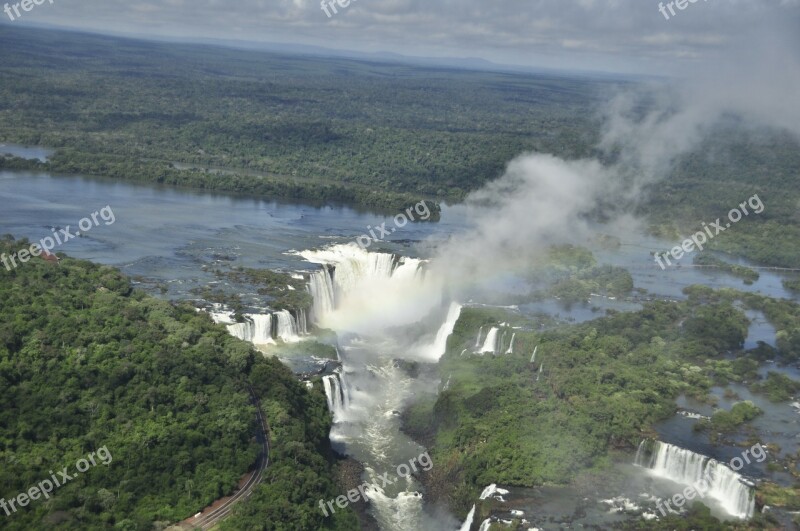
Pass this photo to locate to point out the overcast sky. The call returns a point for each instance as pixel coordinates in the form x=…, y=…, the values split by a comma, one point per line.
x=606, y=35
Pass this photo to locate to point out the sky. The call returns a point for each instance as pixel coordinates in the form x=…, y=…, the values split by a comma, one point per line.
x=624, y=36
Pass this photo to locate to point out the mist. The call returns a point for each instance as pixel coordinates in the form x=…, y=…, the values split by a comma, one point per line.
x=543, y=200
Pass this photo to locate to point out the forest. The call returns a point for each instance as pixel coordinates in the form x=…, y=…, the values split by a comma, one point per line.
x=371, y=134
x=87, y=362
x=593, y=390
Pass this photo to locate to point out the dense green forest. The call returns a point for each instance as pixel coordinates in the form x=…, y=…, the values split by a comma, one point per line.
x=593, y=389
x=372, y=134
x=293, y=126
x=86, y=362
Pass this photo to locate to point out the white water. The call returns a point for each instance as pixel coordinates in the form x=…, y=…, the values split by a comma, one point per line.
x=375, y=302
x=468, y=522
x=490, y=345
x=286, y=328
x=440, y=344
x=338, y=394
x=511, y=345
x=689, y=468
x=257, y=329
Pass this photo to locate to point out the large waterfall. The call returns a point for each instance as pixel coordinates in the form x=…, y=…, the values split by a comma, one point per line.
x=376, y=303
x=358, y=291
x=689, y=468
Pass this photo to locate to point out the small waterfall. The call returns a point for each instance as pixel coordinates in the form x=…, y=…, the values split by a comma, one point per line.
x=511, y=345
x=439, y=346
x=467, y=525
x=485, y=525
x=286, y=328
x=533, y=356
x=262, y=329
x=687, y=467
x=501, y=345
x=490, y=345
x=539, y=375
x=302, y=322
x=338, y=394
x=478, y=341
x=257, y=329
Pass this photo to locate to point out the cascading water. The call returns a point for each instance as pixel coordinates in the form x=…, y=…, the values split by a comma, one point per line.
x=286, y=328
x=440, y=344
x=302, y=322
x=689, y=468
x=375, y=302
x=478, y=340
x=338, y=394
x=320, y=285
x=490, y=345
x=468, y=522
x=511, y=345
x=257, y=329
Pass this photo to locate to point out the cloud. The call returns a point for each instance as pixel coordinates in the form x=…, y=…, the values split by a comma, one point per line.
x=625, y=35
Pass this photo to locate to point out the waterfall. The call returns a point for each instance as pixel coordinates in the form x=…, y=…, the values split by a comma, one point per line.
x=478, y=341
x=533, y=356
x=320, y=285
x=360, y=292
x=257, y=329
x=375, y=303
x=439, y=346
x=687, y=467
x=511, y=345
x=338, y=394
x=490, y=345
x=468, y=522
x=485, y=525
x=286, y=328
x=302, y=322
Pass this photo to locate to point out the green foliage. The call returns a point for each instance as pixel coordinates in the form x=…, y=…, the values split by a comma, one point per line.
x=728, y=421
x=300, y=468
x=778, y=387
x=792, y=284
x=745, y=273
x=382, y=136
x=593, y=387
x=87, y=362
